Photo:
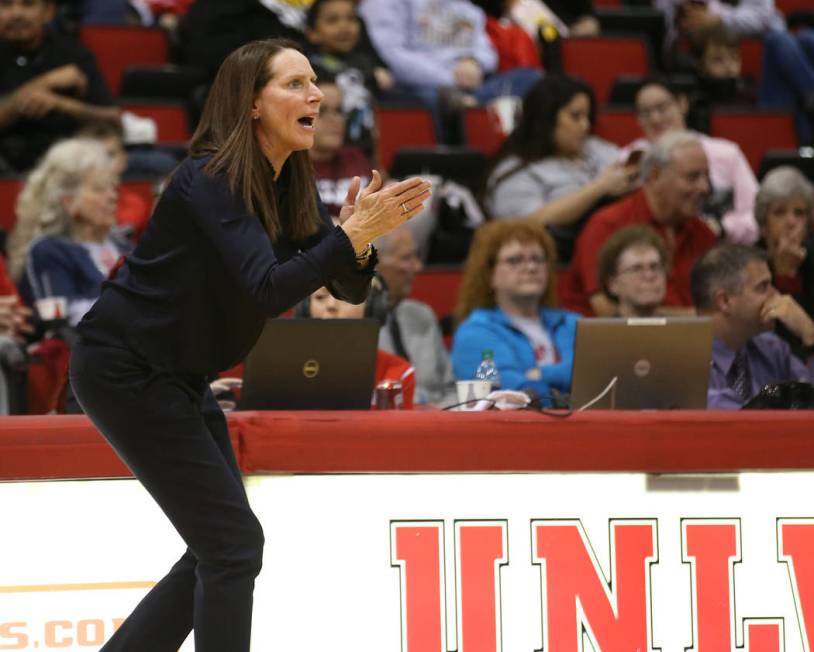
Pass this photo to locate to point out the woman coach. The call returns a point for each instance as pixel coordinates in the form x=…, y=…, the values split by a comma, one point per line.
x=235, y=238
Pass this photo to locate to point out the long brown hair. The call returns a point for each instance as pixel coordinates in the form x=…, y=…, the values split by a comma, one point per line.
x=476, y=284
x=226, y=133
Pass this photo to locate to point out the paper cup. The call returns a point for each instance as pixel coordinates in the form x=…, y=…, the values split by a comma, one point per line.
x=504, y=108
x=472, y=390
x=52, y=308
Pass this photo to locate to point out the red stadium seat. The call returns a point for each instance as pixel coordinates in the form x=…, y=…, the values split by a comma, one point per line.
x=403, y=127
x=438, y=288
x=144, y=188
x=482, y=131
x=790, y=6
x=9, y=189
x=118, y=46
x=171, y=118
x=752, y=58
x=755, y=131
x=620, y=127
x=599, y=60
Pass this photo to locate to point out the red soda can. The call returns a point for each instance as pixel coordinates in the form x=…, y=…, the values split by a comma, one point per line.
x=388, y=395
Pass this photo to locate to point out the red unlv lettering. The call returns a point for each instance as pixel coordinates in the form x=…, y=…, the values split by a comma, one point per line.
x=480, y=550
x=614, y=614
x=578, y=601
x=795, y=547
x=712, y=548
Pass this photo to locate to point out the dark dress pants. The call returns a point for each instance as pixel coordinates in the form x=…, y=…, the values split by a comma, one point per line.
x=171, y=433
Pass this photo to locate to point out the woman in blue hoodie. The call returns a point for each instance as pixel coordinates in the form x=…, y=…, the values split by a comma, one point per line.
x=506, y=304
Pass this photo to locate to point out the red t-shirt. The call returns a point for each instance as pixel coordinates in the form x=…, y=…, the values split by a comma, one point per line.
x=692, y=239
x=334, y=176
x=395, y=368
x=514, y=47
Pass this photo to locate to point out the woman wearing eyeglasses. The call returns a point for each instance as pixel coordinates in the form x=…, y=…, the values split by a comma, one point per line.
x=632, y=271
x=506, y=304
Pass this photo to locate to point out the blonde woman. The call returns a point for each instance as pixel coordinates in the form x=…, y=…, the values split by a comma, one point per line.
x=62, y=244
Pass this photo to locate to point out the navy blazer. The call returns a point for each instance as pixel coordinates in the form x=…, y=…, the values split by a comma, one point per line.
x=195, y=294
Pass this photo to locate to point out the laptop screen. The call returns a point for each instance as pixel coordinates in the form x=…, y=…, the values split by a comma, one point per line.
x=311, y=364
x=658, y=363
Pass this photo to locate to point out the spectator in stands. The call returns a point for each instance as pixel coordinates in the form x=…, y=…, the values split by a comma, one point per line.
x=132, y=210
x=211, y=29
x=441, y=44
x=333, y=31
x=411, y=330
x=787, y=79
x=62, y=243
x=49, y=84
x=675, y=176
x=719, y=71
x=506, y=304
x=515, y=47
x=742, y=17
x=633, y=271
x=335, y=163
x=733, y=285
x=323, y=305
x=729, y=209
x=578, y=15
x=14, y=315
x=784, y=209
x=164, y=13
x=15, y=327
x=551, y=169
x=565, y=17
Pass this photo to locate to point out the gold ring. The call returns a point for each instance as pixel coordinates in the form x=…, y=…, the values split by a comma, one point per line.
x=404, y=208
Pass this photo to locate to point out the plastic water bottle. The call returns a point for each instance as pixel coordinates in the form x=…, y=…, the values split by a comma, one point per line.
x=487, y=369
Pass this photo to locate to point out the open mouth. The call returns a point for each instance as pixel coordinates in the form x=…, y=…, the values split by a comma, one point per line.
x=306, y=121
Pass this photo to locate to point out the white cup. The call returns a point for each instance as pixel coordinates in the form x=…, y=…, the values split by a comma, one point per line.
x=52, y=308
x=472, y=390
x=505, y=108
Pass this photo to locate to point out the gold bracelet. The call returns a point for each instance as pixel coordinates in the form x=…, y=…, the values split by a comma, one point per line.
x=365, y=253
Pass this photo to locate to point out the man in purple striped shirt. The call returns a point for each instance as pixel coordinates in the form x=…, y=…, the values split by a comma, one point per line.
x=733, y=285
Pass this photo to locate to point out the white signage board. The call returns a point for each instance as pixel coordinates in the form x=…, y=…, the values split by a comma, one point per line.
x=473, y=563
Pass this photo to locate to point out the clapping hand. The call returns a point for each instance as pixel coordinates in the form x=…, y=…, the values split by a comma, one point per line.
x=379, y=210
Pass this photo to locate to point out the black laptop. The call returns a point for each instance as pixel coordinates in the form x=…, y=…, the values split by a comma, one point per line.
x=311, y=364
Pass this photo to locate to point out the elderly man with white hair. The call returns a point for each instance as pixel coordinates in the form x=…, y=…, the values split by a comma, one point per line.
x=411, y=330
x=675, y=182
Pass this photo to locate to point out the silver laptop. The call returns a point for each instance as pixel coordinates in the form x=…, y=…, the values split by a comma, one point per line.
x=657, y=363
x=311, y=364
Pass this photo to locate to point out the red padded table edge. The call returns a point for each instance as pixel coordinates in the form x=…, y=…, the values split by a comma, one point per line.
x=58, y=447
x=427, y=441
